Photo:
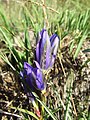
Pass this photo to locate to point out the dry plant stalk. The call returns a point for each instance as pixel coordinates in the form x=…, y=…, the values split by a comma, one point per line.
x=46, y=23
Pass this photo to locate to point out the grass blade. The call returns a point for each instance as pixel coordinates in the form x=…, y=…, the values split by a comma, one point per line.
x=26, y=111
x=80, y=44
x=47, y=109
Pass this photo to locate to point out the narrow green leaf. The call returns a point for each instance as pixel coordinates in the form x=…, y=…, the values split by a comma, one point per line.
x=4, y=20
x=80, y=44
x=86, y=50
x=6, y=60
x=26, y=111
x=47, y=109
x=9, y=44
x=85, y=18
x=7, y=41
x=27, y=45
x=72, y=45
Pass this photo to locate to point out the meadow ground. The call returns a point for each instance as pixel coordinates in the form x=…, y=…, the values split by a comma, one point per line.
x=68, y=81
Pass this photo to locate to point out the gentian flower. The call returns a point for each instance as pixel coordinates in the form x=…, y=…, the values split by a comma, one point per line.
x=46, y=49
x=33, y=82
x=33, y=77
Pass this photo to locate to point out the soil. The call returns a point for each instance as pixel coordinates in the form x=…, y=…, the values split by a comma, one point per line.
x=12, y=93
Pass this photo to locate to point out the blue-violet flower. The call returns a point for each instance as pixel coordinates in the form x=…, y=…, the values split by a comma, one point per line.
x=33, y=78
x=46, y=49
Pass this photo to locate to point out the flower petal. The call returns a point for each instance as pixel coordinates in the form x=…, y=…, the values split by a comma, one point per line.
x=39, y=80
x=33, y=77
x=52, y=38
x=40, y=44
x=28, y=68
x=37, y=64
x=54, y=43
x=48, y=53
x=46, y=49
x=43, y=50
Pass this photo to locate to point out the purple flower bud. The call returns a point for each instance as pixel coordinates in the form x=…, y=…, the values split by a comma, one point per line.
x=33, y=77
x=46, y=49
x=33, y=82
